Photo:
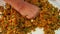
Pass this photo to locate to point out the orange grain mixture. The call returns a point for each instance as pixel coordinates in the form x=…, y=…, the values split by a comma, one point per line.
x=11, y=22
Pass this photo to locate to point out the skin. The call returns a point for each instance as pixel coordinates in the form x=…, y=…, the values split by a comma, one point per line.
x=24, y=8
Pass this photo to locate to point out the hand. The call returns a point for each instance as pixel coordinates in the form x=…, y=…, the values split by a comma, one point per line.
x=25, y=9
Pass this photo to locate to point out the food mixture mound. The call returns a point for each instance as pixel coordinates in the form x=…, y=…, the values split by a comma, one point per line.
x=11, y=22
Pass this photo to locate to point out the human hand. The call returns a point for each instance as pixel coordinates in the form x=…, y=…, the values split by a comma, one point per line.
x=25, y=9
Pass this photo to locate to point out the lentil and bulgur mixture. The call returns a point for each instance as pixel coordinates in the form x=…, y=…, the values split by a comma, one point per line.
x=11, y=22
